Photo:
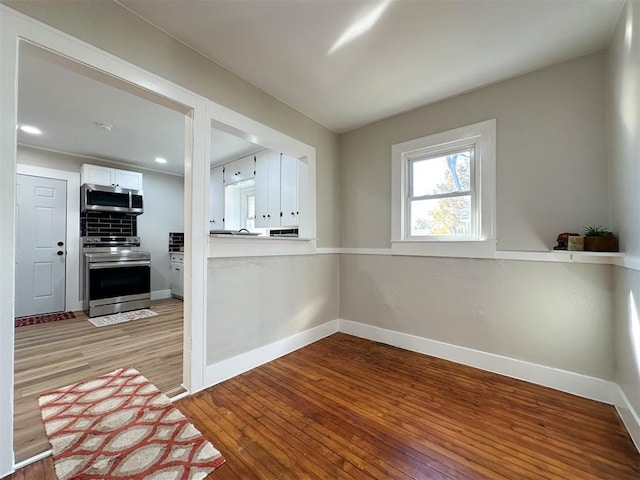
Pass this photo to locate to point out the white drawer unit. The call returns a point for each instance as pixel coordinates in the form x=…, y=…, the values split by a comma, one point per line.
x=176, y=274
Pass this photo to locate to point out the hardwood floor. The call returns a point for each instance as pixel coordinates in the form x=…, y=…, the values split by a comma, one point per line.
x=52, y=355
x=347, y=408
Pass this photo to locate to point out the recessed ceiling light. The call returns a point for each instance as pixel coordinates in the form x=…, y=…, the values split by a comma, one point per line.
x=30, y=129
x=161, y=160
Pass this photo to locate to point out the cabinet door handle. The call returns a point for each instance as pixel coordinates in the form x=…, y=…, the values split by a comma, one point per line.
x=264, y=216
x=268, y=216
x=293, y=213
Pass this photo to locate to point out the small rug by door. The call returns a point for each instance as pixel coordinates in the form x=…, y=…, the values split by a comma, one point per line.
x=50, y=317
x=121, y=426
x=121, y=317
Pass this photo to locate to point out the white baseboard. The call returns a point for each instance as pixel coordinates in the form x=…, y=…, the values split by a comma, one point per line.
x=629, y=416
x=575, y=383
x=158, y=294
x=31, y=460
x=226, y=369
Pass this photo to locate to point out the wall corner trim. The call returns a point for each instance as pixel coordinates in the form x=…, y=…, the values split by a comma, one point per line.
x=628, y=261
x=230, y=367
x=565, y=381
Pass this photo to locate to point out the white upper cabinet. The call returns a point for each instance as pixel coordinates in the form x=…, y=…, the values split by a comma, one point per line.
x=290, y=170
x=267, y=187
x=271, y=195
x=97, y=175
x=216, y=199
x=239, y=170
x=127, y=179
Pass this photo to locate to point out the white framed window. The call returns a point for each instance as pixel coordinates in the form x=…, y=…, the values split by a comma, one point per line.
x=443, y=193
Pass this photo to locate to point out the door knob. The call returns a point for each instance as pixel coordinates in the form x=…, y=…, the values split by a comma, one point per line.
x=60, y=244
x=60, y=252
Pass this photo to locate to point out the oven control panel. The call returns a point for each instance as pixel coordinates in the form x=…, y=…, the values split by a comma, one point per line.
x=110, y=241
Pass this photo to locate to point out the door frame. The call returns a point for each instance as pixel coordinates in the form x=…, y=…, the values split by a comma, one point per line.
x=14, y=29
x=72, y=241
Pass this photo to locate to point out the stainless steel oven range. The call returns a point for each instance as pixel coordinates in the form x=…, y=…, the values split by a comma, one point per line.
x=117, y=275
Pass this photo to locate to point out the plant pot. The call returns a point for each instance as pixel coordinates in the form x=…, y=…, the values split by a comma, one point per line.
x=604, y=243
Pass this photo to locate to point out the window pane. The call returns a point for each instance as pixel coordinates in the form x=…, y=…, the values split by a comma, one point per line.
x=251, y=206
x=446, y=174
x=442, y=216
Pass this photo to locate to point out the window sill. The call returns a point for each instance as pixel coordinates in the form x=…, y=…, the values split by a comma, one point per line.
x=464, y=249
x=224, y=246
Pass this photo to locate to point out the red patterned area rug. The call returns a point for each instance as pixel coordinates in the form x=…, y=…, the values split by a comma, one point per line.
x=120, y=426
x=50, y=317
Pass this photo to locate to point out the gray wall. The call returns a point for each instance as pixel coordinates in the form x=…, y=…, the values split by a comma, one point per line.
x=624, y=141
x=551, y=157
x=265, y=299
x=552, y=177
x=163, y=208
x=163, y=213
x=554, y=314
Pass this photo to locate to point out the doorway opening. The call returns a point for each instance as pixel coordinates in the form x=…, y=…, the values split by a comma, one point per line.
x=86, y=117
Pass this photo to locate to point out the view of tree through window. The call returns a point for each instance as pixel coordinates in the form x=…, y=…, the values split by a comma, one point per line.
x=441, y=194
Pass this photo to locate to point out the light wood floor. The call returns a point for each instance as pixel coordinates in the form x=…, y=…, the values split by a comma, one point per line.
x=347, y=408
x=52, y=355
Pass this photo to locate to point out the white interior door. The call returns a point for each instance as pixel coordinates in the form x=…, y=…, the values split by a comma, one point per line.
x=40, y=245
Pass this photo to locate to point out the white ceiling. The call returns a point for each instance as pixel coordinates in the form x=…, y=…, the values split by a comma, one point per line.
x=67, y=100
x=417, y=53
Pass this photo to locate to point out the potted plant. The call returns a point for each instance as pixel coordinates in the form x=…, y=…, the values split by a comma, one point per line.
x=599, y=239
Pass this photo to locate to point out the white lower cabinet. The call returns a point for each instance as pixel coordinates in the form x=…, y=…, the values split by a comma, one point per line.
x=176, y=274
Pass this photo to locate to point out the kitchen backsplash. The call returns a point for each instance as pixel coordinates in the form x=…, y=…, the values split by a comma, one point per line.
x=93, y=224
x=176, y=241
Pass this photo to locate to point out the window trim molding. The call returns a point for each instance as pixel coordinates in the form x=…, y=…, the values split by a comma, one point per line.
x=485, y=245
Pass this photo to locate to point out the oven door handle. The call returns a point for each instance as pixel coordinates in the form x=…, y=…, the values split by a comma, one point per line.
x=131, y=263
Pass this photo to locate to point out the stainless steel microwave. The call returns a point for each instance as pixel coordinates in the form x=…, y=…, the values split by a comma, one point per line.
x=99, y=198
